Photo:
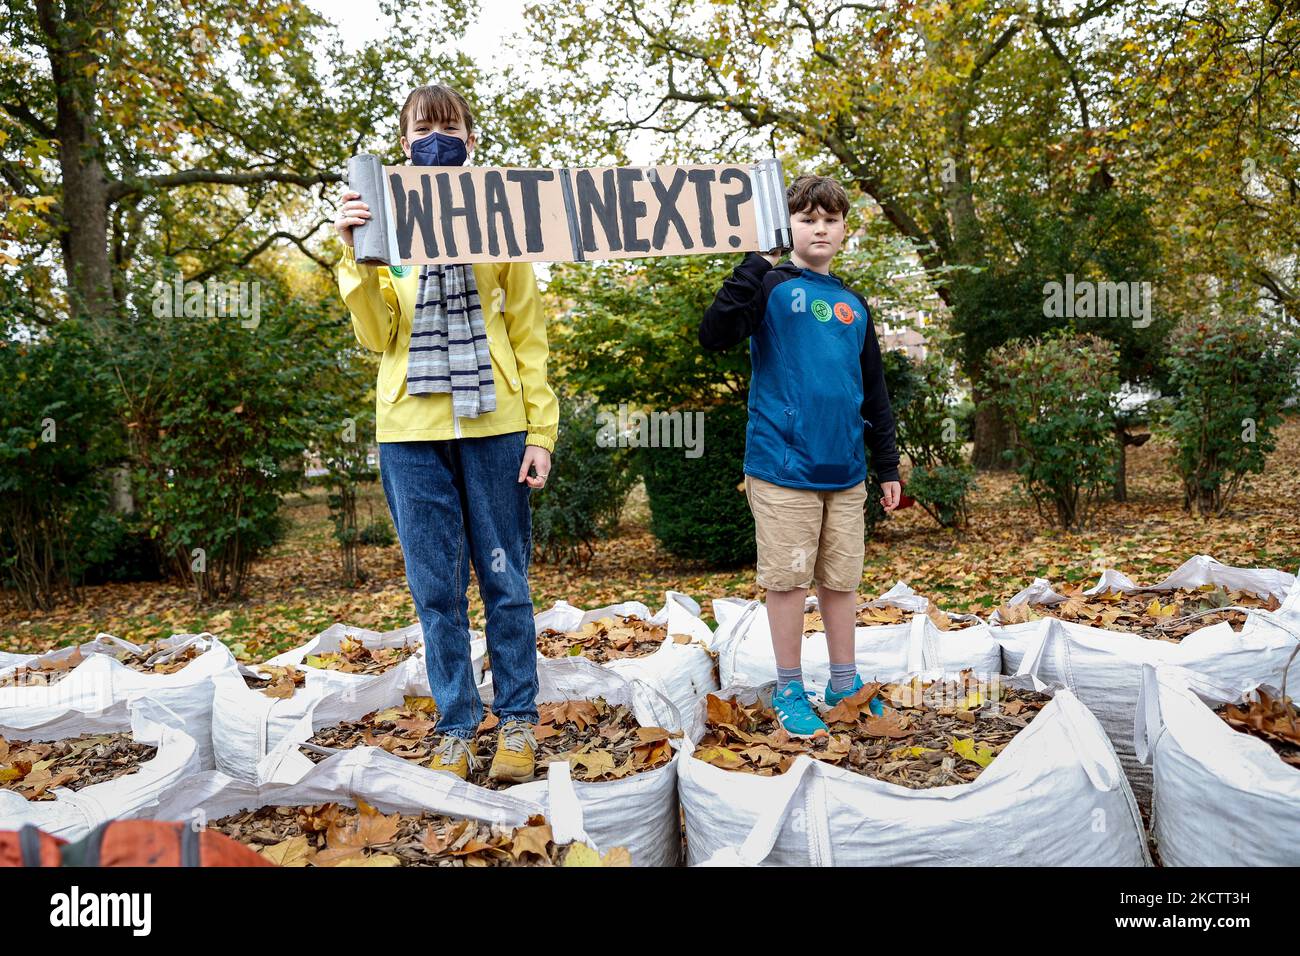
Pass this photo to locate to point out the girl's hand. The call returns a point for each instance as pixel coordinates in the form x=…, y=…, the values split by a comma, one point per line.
x=539, y=458
x=352, y=212
x=893, y=494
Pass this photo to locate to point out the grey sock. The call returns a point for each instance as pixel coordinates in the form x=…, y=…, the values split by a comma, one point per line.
x=784, y=675
x=842, y=676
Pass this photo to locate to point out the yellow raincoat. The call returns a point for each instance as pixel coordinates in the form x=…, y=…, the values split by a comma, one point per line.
x=383, y=305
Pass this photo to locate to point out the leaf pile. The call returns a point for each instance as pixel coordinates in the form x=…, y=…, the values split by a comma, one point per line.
x=45, y=673
x=353, y=657
x=331, y=834
x=600, y=741
x=1271, y=720
x=32, y=768
x=936, y=733
x=1157, y=615
x=406, y=731
x=607, y=639
x=869, y=616
x=281, y=682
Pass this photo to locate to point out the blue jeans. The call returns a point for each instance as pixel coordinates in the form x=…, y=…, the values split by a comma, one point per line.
x=453, y=502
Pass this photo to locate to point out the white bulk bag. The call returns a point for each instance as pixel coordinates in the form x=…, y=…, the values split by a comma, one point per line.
x=1192, y=573
x=102, y=685
x=1054, y=796
x=1104, y=668
x=75, y=813
x=247, y=724
x=390, y=784
x=684, y=673
x=327, y=642
x=743, y=643
x=638, y=812
x=1221, y=797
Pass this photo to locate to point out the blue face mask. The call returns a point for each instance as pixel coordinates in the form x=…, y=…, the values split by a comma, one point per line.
x=439, y=149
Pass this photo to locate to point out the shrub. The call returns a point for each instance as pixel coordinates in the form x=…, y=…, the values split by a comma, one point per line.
x=698, y=507
x=1230, y=377
x=345, y=453
x=221, y=417
x=1058, y=394
x=928, y=433
x=377, y=532
x=584, y=494
x=58, y=437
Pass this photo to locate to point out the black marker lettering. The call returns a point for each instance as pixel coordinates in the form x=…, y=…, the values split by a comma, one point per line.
x=703, y=180
x=667, y=197
x=420, y=214
x=605, y=207
x=496, y=205
x=528, y=180
x=630, y=209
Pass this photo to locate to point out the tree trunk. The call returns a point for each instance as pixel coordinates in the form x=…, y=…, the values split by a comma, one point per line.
x=68, y=43
x=992, y=432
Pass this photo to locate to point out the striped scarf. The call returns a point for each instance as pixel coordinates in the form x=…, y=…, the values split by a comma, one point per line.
x=449, y=346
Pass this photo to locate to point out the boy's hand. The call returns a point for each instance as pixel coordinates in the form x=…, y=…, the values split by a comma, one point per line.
x=352, y=212
x=893, y=494
x=538, y=458
x=773, y=256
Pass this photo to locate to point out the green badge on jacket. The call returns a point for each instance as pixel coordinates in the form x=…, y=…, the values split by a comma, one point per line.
x=400, y=271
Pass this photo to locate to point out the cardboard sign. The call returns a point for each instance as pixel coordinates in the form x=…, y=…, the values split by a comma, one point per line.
x=445, y=214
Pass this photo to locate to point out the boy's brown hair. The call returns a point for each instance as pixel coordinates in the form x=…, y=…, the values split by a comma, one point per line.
x=437, y=103
x=809, y=192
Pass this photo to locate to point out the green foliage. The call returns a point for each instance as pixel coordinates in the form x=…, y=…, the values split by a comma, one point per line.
x=221, y=418
x=589, y=481
x=1058, y=394
x=1096, y=236
x=344, y=451
x=929, y=435
x=378, y=532
x=58, y=437
x=1230, y=377
x=628, y=331
x=698, y=507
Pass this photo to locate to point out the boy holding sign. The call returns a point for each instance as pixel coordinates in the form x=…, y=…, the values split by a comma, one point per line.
x=466, y=423
x=816, y=390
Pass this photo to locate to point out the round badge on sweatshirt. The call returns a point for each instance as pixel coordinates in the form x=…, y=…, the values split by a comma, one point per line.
x=844, y=312
x=400, y=271
x=821, y=310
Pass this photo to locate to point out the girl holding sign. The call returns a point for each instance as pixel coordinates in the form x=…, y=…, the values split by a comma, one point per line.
x=466, y=423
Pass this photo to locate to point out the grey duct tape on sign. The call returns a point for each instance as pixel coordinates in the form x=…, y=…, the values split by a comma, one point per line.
x=771, y=210
x=376, y=240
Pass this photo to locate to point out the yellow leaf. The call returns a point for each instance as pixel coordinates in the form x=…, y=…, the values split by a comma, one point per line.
x=720, y=757
x=294, y=851
x=965, y=747
x=424, y=705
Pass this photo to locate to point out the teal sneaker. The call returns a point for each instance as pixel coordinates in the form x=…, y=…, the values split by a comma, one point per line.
x=794, y=710
x=832, y=698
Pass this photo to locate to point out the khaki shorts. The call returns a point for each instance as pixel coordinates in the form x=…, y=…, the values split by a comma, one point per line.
x=806, y=536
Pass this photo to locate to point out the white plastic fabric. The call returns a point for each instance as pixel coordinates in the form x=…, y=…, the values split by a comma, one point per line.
x=684, y=673
x=390, y=784
x=1054, y=796
x=638, y=812
x=327, y=642
x=103, y=686
x=1221, y=797
x=743, y=643
x=133, y=796
x=1104, y=668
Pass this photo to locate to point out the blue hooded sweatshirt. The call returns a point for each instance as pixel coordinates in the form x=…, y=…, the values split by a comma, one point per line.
x=817, y=392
